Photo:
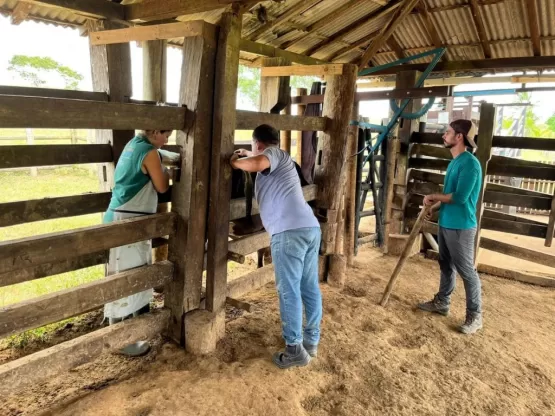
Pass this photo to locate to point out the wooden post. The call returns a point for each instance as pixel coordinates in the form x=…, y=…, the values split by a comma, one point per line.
x=551, y=224
x=225, y=93
x=351, y=188
x=405, y=79
x=190, y=194
x=111, y=73
x=392, y=151
x=275, y=93
x=154, y=89
x=299, y=141
x=285, y=135
x=31, y=140
x=330, y=169
x=483, y=153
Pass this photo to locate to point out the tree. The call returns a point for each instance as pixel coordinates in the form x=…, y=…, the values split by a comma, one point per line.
x=32, y=68
x=249, y=84
x=551, y=123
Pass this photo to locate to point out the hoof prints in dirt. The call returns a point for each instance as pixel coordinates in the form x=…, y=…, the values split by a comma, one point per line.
x=354, y=292
x=408, y=341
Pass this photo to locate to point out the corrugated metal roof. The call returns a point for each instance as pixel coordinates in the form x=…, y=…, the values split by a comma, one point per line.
x=506, y=24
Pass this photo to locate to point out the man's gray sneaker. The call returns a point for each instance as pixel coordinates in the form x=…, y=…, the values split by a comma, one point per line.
x=311, y=349
x=472, y=323
x=435, y=305
x=293, y=356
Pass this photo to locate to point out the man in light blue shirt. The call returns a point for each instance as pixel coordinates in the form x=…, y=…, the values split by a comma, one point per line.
x=295, y=243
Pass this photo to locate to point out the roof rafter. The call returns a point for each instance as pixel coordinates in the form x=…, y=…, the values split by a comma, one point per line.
x=296, y=9
x=361, y=42
x=20, y=12
x=88, y=8
x=534, y=24
x=353, y=27
x=395, y=47
x=425, y=11
x=479, y=22
x=388, y=30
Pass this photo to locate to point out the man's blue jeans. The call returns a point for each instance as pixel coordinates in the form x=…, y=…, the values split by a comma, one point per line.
x=295, y=258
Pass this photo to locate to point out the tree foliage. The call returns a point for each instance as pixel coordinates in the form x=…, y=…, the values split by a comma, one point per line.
x=32, y=69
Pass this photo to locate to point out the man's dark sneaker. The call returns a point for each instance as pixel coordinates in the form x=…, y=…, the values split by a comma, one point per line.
x=293, y=356
x=435, y=305
x=311, y=349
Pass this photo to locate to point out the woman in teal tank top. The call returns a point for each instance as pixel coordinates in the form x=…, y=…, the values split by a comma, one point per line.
x=138, y=177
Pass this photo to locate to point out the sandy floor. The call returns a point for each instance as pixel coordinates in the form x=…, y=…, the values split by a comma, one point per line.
x=373, y=361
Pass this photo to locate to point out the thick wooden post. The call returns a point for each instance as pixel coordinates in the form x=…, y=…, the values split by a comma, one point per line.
x=405, y=79
x=483, y=153
x=299, y=135
x=392, y=152
x=190, y=194
x=225, y=93
x=111, y=73
x=275, y=93
x=154, y=89
x=351, y=189
x=285, y=135
x=330, y=169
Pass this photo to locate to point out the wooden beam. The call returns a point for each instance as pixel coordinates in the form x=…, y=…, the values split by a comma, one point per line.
x=26, y=372
x=395, y=47
x=300, y=110
x=237, y=207
x=190, y=196
x=249, y=120
x=324, y=21
x=534, y=24
x=89, y=8
x=356, y=45
x=302, y=70
x=50, y=248
x=510, y=142
x=53, y=93
x=424, y=10
x=387, y=31
x=517, y=251
x=551, y=223
x=512, y=227
x=150, y=10
x=250, y=282
x=20, y=12
x=224, y=123
x=292, y=11
x=350, y=237
x=480, y=27
x=271, y=52
x=519, y=64
x=151, y=32
x=250, y=244
x=58, y=113
x=64, y=304
x=22, y=156
x=356, y=25
x=275, y=91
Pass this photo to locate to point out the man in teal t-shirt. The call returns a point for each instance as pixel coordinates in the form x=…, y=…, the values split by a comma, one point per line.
x=457, y=226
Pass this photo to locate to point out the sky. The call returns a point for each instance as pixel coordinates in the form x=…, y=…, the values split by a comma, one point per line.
x=67, y=47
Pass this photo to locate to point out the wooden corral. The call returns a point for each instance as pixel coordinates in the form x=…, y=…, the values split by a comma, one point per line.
x=215, y=36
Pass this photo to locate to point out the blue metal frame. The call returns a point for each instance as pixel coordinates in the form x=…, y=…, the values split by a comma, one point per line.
x=398, y=111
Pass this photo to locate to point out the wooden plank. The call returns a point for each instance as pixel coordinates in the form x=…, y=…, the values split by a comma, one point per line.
x=517, y=251
x=518, y=64
x=250, y=244
x=237, y=207
x=394, y=46
x=404, y=9
x=88, y=8
x=224, y=123
x=150, y=32
x=513, y=227
x=21, y=156
x=356, y=45
x=302, y=70
x=150, y=10
x=78, y=114
x=299, y=134
x=424, y=10
x=534, y=24
x=292, y=11
x=249, y=120
x=330, y=167
x=551, y=223
x=351, y=189
x=529, y=143
x=285, y=135
x=270, y=51
x=250, y=282
x=480, y=27
x=53, y=93
x=190, y=198
x=26, y=372
x=20, y=212
x=49, y=248
x=64, y=304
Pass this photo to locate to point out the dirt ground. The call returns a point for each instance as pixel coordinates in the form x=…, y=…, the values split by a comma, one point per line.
x=372, y=360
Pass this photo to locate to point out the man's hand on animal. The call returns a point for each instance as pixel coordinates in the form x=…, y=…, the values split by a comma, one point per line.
x=243, y=153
